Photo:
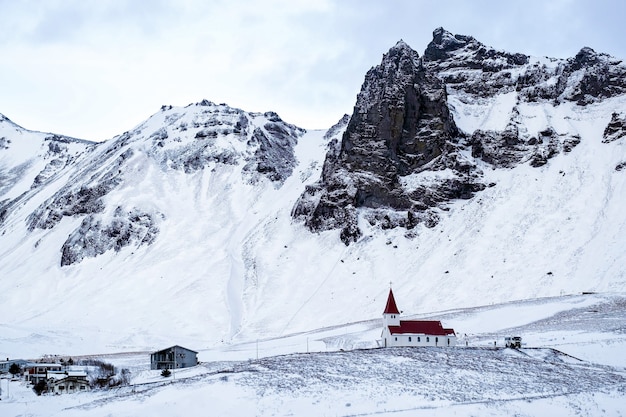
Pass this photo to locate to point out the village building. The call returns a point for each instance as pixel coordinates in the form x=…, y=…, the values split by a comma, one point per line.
x=6, y=365
x=174, y=357
x=398, y=332
x=67, y=382
x=36, y=372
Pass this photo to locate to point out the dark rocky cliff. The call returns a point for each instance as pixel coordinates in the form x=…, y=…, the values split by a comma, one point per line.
x=401, y=125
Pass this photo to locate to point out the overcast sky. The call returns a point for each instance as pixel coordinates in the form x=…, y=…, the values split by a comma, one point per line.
x=95, y=68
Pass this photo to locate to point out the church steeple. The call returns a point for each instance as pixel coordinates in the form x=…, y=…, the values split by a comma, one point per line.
x=391, y=315
x=391, y=307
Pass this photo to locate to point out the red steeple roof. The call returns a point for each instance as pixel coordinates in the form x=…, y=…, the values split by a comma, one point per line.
x=391, y=307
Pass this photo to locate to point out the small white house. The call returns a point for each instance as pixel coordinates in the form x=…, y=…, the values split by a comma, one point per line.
x=398, y=332
x=67, y=382
x=36, y=372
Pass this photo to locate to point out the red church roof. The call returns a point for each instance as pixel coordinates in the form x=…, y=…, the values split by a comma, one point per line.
x=433, y=328
x=391, y=307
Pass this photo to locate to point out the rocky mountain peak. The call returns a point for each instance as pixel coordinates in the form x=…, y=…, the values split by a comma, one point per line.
x=450, y=50
x=591, y=76
x=444, y=44
x=586, y=57
x=402, y=129
x=201, y=137
x=400, y=125
x=401, y=48
x=6, y=123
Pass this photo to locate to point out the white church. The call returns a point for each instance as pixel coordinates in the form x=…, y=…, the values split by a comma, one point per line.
x=398, y=332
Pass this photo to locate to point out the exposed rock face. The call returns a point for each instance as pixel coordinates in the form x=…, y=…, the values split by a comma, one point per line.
x=274, y=156
x=262, y=142
x=94, y=238
x=601, y=76
x=402, y=130
x=82, y=200
x=616, y=128
x=401, y=125
x=201, y=136
x=465, y=64
x=475, y=72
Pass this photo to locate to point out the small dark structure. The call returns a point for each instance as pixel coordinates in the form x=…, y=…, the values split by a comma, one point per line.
x=174, y=357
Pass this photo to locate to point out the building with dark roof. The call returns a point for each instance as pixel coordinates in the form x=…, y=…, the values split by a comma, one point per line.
x=173, y=358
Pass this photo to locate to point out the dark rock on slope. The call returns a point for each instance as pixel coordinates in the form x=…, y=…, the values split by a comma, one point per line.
x=94, y=238
x=402, y=130
x=401, y=125
x=616, y=128
x=199, y=137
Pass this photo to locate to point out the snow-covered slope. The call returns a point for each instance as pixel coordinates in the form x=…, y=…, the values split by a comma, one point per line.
x=571, y=364
x=28, y=159
x=181, y=230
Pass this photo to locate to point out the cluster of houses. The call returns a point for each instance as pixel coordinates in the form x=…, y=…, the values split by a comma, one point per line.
x=63, y=379
x=56, y=379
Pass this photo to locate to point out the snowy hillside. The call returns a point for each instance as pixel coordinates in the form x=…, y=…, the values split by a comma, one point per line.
x=187, y=229
x=571, y=364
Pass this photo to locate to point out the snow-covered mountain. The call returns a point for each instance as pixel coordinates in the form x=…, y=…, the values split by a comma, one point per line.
x=466, y=176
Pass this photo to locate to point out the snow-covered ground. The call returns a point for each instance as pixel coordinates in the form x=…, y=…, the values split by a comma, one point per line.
x=572, y=364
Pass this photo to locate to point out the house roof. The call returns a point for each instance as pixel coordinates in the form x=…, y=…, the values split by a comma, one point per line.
x=174, y=347
x=66, y=374
x=75, y=379
x=391, y=307
x=18, y=361
x=433, y=328
x=42, y=365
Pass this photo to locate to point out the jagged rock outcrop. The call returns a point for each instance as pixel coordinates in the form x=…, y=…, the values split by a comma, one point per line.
x=466, y=64
x=474, y=72
x=262, y=142
x=28, y=160
x=401, y=125
x=403, y=128
x=199, y=137
x=591, y=76
x=85, y=199
x=274, y=156
x=510, y=147
x=616, y=129
x=94, y=238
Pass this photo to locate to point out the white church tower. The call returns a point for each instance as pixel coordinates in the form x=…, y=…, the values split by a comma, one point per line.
x=391, y=315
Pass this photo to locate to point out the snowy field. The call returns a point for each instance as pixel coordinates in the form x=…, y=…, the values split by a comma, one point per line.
x=571, y=364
